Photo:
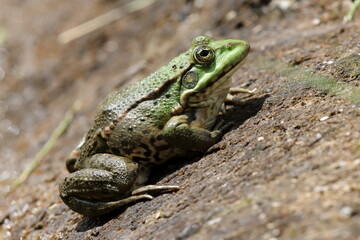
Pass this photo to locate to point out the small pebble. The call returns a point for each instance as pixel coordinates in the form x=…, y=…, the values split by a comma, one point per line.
x=230, y=15
x=260, y=138
x=347, y=211
x=276, y=232
x=214, y=221
x=316, y=21
x=329, y=62
x=357, y=161
x=321, y=189
x=324, y=118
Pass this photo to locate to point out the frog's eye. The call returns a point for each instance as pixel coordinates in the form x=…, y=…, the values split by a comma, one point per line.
x=190, y=80
x=204, y=55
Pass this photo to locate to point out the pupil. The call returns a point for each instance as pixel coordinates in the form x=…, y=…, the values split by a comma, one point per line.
x=204, y=53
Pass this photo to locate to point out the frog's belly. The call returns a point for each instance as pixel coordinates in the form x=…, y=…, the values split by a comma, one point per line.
x=151, y=151
x=142, y=143
x=138, y=136
x=160, y=154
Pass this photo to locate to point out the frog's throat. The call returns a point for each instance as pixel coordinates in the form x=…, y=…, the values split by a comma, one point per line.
x=211, y=87
x=153, y=94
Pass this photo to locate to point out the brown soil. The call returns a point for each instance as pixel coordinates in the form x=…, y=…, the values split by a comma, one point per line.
x=288, y=169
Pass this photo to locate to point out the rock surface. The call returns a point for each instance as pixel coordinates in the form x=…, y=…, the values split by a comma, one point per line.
x=288, y=169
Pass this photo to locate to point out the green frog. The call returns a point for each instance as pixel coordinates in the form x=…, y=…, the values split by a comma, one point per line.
x=171, y=113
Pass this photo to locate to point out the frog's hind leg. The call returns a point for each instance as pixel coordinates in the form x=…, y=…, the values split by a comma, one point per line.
x=102, y=183
x=105, y=182
x=141, y=188
x=151, y=189
x=94, y=209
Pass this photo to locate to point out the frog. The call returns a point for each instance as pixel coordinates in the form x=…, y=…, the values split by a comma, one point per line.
x=174, y=112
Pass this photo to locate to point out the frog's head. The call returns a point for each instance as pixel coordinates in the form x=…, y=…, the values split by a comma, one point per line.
x=213, y=63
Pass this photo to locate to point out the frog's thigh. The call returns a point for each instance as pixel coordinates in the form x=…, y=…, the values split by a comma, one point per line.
x=104, y=177
x=179, y=133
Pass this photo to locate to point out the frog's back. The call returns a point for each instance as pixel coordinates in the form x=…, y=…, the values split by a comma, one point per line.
x=143, y=120
x=121, y=100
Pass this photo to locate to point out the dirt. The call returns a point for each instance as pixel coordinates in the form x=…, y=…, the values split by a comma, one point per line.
x=288, y=169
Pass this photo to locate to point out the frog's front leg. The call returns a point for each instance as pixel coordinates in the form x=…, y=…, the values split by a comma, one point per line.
x=103, y=184
x=179, y=132
x=230, y=98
